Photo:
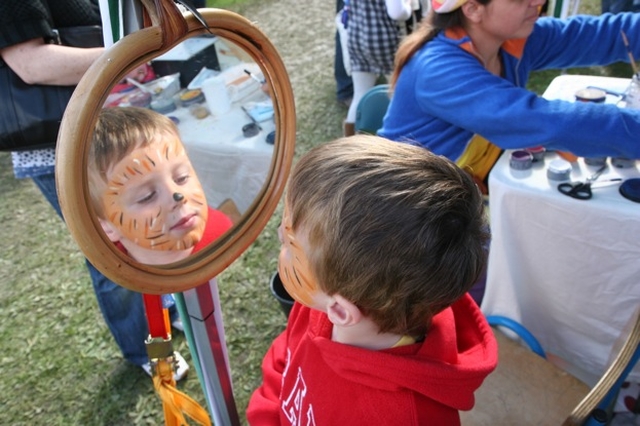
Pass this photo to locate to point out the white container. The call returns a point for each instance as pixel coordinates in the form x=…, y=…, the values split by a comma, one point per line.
x=632, y=94
x=217, y=95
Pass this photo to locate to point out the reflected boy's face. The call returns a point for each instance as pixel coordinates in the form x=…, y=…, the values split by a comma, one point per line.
x=154, y=199
x=293, y=263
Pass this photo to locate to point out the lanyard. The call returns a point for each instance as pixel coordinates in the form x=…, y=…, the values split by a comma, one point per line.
x=157, y=316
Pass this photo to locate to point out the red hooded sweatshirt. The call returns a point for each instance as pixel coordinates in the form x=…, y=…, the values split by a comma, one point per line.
x=311, y=380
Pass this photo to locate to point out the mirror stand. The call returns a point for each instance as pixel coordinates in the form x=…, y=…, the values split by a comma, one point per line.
x=199, y=305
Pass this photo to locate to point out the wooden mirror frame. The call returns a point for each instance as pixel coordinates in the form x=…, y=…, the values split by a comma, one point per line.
x=169, y=27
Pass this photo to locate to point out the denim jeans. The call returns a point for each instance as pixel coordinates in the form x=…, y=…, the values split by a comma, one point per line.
x=344, y=85
x=617, y=6
x=122, y=309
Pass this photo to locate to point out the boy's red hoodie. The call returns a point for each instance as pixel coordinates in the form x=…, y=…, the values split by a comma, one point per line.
x=311, y=380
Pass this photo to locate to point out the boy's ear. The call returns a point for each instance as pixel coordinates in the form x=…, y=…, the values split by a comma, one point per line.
x=112, y=232
x=342, y=312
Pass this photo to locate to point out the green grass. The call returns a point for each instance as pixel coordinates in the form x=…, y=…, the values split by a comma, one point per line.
x=58, y=362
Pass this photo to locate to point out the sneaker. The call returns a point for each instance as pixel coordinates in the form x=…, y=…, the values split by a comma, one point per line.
x=345, y=102
x=177, y=324
x=182, y=368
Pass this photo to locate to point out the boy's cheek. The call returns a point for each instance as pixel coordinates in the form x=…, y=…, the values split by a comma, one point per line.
x=296, y=279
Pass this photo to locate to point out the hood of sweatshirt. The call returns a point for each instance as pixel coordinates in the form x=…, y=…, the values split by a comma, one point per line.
x=458, y=352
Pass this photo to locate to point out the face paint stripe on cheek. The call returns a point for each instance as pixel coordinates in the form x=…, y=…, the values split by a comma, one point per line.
x=302, y=277
x=153, y=163
x=133, y=171
x=155, y=243
x=147, y=166
x=298, y=281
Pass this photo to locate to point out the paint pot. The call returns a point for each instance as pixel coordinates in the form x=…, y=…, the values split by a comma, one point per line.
x=250, y=130
x=198, y=111
x=591, y=94
x=281, y=295
x=559, y=169
x=520, y=160
x=140, y=99
x=622, y=162
x=163, y=105
x=191, y=97
x=630, y=189
x=271, y=138
x=537, y=152
x=595, y=161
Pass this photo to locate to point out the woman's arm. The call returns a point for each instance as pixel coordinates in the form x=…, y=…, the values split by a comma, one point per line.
x=38, y=63
x=582, y=41
x=399, y=10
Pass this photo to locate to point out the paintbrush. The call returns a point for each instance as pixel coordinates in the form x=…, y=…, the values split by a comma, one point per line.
x=626, y=44
x=253, y=76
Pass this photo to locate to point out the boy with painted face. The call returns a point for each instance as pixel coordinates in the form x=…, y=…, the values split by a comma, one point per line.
x=144, y=189
x=146, y=193
x=380, y=243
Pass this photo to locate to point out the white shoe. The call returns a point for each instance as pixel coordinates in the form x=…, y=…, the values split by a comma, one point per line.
x=181, y=369
x=177, y=324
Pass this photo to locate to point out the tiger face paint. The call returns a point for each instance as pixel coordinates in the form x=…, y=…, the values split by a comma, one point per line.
x=154, y=198
x=293, y=263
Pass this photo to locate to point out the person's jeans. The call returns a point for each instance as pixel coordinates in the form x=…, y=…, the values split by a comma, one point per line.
x=344, y=85
x=122, y=309
x=617, y=6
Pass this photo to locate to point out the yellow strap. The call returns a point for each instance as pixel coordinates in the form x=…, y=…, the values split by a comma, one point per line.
x=405, y=340
x=174, y=402
x=167, y=320
x=478, y=158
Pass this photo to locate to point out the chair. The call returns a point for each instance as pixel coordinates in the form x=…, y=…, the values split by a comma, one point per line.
x=371, y=109
x=229, y=208
x=525, y=389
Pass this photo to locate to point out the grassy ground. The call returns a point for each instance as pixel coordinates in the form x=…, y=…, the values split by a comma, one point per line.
x=59, y=364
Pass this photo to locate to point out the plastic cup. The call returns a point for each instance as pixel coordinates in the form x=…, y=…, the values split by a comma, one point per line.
x=217, y=95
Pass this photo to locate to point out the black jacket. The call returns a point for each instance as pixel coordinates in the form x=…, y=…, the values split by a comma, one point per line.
x=22, y=20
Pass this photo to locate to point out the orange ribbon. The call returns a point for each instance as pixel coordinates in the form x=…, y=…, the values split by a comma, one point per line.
x=176, y=404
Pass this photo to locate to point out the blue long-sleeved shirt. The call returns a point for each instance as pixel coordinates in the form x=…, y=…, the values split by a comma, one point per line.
x=444, y=95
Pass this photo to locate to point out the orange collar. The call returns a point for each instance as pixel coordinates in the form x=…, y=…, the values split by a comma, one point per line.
x=514, y=47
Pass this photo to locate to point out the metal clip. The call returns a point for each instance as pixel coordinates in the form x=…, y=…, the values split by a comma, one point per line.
x=56, y=37
x=159, y=348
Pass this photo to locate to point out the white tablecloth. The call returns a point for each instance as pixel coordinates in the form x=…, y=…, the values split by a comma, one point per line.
x=567, y=269
x=228, y=164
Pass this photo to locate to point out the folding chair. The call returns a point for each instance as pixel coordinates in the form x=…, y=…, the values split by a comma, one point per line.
x=371, y=109
x=526, y=389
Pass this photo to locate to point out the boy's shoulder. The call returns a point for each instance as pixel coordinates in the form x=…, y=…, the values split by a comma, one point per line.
x=217, y=224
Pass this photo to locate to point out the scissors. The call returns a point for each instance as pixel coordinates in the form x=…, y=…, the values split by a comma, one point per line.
x=581, y=190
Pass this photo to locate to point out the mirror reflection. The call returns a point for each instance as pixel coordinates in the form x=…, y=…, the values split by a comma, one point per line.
x=181, y=150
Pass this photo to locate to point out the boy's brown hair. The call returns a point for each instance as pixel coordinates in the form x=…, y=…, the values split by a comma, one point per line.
x=395, y=229
x=117, y=133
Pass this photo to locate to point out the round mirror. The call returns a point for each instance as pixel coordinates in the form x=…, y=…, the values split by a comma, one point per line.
x=226, y=89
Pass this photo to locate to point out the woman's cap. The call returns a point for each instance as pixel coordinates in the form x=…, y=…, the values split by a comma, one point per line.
x=446, y=6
